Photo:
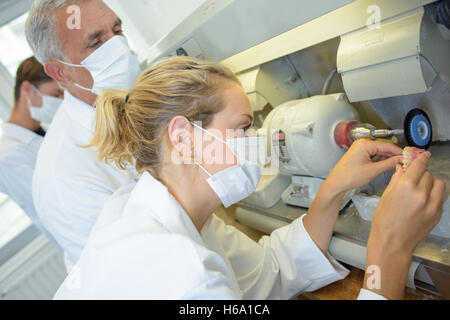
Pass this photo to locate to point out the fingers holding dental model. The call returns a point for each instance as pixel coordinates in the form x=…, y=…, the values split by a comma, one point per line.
x=410, y=206
x=409, y=155
x=357, y=167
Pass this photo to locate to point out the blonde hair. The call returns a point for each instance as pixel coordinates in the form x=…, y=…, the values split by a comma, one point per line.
x=130, y=127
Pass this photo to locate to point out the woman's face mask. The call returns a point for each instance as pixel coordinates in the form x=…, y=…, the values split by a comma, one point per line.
x=45, y=113
x=112, y=66
x=238, y=181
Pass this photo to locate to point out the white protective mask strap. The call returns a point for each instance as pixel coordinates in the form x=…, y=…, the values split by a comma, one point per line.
x=207, y=132
x=32, y=107
x=203, y=169
x=76, y=66
x=83, y=88
x=239, y=158
x=212, y=135
x=243, y=147
x=37, y=90
x=71, y=65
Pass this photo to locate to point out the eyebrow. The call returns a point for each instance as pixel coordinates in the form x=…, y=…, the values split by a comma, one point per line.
x=98, y=33
x=118, y=22
x=95, y=35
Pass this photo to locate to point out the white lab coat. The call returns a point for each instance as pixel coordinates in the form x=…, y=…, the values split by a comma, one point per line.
x=18, y=150
x=70, y=183
x=144, y=246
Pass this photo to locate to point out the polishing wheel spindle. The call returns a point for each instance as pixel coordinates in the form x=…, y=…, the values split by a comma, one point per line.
x=347, y=132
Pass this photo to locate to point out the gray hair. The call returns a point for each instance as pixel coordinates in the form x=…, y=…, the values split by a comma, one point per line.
x=41, y=32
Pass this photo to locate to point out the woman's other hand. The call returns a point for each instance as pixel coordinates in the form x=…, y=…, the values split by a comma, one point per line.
x=355, y=169
x=409, y=209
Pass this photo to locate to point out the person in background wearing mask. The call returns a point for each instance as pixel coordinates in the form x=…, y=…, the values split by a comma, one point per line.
x=70, y=184
x=36, y=99
x=159, y=239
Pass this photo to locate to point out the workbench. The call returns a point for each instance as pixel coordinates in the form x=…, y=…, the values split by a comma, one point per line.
x=346, y=289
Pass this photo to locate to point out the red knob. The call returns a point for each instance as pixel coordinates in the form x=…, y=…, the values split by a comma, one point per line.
x=342, y=134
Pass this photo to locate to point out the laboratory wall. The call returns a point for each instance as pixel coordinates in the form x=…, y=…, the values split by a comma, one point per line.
x=147, y=21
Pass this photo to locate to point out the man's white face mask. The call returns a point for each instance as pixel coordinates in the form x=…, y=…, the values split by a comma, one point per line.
x=112, y=66
x=239, y=181
x=47, y=111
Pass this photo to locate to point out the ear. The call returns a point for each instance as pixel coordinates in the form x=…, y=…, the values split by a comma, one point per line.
x=180, y=131
x=25, y=89
x=55, y=70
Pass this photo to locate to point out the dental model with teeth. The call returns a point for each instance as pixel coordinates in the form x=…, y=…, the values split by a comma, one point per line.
x=409, y=155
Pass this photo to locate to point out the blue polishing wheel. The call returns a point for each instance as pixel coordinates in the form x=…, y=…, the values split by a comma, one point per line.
x=418, y=130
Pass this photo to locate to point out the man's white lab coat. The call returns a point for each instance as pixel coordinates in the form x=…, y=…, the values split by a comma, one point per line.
x=145, y=246
x=70, y=184
x=18, y=151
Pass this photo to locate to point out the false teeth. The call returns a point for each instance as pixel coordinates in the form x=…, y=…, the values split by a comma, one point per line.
x=409, y=155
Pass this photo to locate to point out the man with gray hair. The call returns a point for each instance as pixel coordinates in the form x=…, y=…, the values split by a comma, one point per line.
x=82, y=47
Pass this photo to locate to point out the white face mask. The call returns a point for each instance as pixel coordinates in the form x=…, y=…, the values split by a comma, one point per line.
x=46, y=113
x=112, y=66
x=239, y=181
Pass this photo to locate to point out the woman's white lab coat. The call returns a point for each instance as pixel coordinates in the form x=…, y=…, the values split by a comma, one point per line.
x=144, y=246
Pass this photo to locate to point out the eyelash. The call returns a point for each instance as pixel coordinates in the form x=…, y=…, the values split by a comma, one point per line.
x=246, y=128
x=118, y=32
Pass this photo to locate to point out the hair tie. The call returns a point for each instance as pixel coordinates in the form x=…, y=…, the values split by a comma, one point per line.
x=126, y=99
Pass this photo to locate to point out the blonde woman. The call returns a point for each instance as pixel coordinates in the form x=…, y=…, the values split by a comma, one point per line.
x=158, y=238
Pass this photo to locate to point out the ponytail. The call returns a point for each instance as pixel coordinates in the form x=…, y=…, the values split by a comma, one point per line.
x=110, y=128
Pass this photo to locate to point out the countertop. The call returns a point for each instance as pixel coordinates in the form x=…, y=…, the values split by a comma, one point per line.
x=347, y=289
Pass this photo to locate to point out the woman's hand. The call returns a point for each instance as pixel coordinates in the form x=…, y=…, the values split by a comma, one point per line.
x=354, y=170
x=409, y=209
x=357, y=168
